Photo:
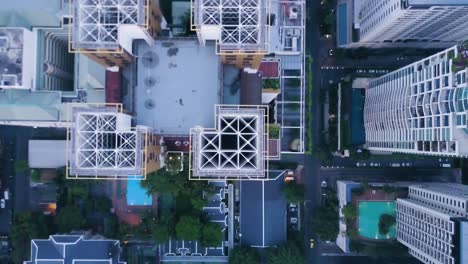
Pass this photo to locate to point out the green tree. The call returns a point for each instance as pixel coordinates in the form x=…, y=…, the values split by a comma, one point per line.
x=285, y=254
x=349, y=212
x=163, y=181
x=103, y=204
x=188, y=228
x=21, y=166
x=161, y=233
x=211, y=235
x=386, y=221
x=69, y=218
x=293, y=192
x=35, y=176
x=26, y=226
x=351, y=232
x=198, y=202
x=325, y=222
x=244, y=255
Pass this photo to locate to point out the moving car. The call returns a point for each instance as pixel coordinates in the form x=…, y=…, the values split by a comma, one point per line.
x=312, y=243
x=2, y=203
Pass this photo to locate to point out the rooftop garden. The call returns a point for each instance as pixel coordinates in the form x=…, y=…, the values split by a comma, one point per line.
x=174, y=161
x=271, y=83
x=274, y=131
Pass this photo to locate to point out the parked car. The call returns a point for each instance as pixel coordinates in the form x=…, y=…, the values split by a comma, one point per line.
x=324, y=184
x=361, y=164
x=293, y=220
x=395, y=165
x=6, y=193
x=2, y=203
x=312, y=243
x=445, y=165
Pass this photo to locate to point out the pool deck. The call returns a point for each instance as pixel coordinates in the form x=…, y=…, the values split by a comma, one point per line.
x=129, y=214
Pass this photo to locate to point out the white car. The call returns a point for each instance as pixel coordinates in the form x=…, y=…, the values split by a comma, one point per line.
x=324, y=184
x=2, y=203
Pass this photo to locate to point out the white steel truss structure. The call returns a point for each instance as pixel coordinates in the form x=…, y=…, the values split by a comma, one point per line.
x=235, y=149
x=105, y=146
x=96, y=22
x=241, y=24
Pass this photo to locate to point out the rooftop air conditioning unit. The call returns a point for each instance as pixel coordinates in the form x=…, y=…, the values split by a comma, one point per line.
x=3, y=44
x=293, y=10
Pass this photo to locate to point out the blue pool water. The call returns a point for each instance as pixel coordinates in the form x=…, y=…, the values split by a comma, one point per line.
x=136, y=195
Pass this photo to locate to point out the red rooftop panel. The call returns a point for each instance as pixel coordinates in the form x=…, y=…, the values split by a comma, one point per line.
x=269, y=69
x=177, y=143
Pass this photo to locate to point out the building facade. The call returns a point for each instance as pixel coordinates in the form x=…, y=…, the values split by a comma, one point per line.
x=421, y=108
x=426, y=22
x=432, y=222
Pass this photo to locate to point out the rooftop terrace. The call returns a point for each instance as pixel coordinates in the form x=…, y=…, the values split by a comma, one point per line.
x=178, y=84
x=97, y=23
x=12, y=56
x=235, y=24
x=235, y=148
x=103, y=144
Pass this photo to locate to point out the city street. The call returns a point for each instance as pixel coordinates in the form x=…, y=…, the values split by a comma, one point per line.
x=15, y=147
x=313, y=171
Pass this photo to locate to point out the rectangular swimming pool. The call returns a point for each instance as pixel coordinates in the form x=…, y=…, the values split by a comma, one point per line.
x=368, y=217
x=136, y=195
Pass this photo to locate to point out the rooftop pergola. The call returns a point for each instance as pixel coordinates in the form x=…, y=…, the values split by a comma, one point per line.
x=96, y=22
x=235, y=149
x=103, y=145
x=240, y=25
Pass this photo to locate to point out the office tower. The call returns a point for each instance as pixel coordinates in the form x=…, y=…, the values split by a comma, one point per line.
x=427, y=22
x=421, y=108
x=432, y=222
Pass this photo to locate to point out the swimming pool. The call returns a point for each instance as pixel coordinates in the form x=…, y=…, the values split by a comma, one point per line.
x=369, y=214
x=136, y=195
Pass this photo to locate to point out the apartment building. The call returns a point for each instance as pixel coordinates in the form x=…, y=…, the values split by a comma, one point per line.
x=105, y=30
x=239, y=27
x=429, y=23
x=104, y=144
x=421, y=108
x=433, y=222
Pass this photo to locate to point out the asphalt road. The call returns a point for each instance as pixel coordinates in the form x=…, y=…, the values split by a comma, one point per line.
x=15, y=143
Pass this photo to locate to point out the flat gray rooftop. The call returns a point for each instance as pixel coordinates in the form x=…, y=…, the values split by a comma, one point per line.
x=178, y=85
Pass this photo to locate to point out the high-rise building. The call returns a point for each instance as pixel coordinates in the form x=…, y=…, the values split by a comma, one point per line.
x=104, y=30
x=421, y=108
x=433, y=222
x=103, y=144
x=429, y=23
x=239, y=27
